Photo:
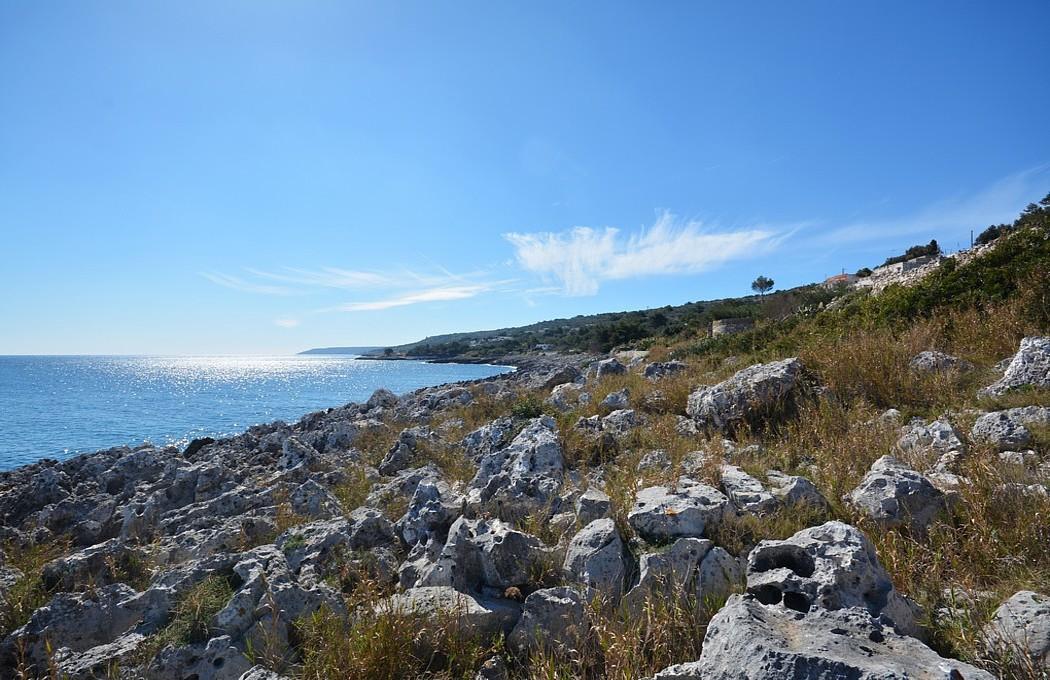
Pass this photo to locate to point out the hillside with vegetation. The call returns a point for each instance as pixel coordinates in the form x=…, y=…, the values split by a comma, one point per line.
x=856, y=487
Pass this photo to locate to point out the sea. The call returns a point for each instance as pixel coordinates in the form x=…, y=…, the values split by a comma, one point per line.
x=61, y=406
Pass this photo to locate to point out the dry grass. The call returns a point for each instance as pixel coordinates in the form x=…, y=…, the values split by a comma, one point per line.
x=191, y=618
x=29, y=592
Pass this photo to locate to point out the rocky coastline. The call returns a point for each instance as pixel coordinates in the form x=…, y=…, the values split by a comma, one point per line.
x=473, y=502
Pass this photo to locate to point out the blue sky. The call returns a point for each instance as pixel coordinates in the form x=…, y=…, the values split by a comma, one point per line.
x=252, y=177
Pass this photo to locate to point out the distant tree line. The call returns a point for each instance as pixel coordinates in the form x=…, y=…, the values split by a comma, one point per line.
x=931, y=248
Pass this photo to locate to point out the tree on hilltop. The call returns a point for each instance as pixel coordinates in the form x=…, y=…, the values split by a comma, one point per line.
x=761, y=285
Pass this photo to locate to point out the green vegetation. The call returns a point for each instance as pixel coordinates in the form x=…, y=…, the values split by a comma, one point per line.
x=192, y=617
x=930, y=248
x=762, y=285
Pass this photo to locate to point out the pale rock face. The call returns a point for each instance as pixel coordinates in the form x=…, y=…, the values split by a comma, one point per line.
x=552, y=618
x=747, y=640
x=1030, y=367
x=596, y=558
x=564, y=397
x=751, y=392
x=661, y=514
x=619, y=423
x=932, y=361
x=693, y=570
x=939, y=437
x=617, y=400
x=746, y=492
x=524, y=476
x=433, y=508
x=1006, y=429
x=607, y=367
x=484, y=553
x=1021, y=627
x=895, y=495
x=795, y=490
x=591, y=505
x=661, y=370
x=831, y=566
x=473, y=615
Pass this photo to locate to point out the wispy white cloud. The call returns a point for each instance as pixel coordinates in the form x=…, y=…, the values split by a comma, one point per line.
x=580, y=259
x=439, y=294
x=326, y=277
x=237, y=283
x=286, y=323
x=998, y=203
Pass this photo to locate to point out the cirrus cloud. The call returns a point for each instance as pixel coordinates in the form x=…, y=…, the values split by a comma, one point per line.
x=580, y=259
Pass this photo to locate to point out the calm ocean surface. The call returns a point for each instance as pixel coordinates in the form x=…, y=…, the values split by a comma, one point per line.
x=57, y=407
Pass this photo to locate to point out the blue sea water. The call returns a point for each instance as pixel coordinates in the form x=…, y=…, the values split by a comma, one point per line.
x=59, y=406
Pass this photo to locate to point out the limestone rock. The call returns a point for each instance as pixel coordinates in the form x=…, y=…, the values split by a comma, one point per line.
x=472, y=615
x=746, y=492
x=932, y=361
x=661, y=370
x=831, y=566
x=1006, y=429
x=1020, y=628
x=552, y=618
x=661, y=514
x=608, y=367
x=596, y=558
x=614, y=401
x=591, y=505
x=894, y=495
x=747, y=640
x=1030, y=367
x=693, y=570
x=753, y=391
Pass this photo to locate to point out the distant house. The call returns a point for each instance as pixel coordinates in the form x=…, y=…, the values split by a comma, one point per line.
x=543, y=347
x=840, y=280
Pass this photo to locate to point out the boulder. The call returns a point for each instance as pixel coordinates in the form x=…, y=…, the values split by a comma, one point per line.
x=560, y=376
x=894, y=495
x=382, y=398
x=661, y=370
x=795, y=490
x=746, y=492
x=564, y=397
x=433, y=508
x=1030, y=367
x=552, y=618
x=217, y=659
x=596, y=558
x=614, y=401
x=484, y=554
x=1006, y=429
x=400, y=455
x=747, y=640
x=692, y=570
x=755, y=391
x=472, y=615
x=939, y=437
x=608, y=367
x=1020, y=628
x=661, y=514
x=591, y=505
x=832, y=566
x=932, y=361
x=619, y=423
x=524, y=477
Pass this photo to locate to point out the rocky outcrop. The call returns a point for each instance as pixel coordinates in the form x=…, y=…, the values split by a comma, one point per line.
x=754, y=392
x=747, y=640
x=1030, y=367
x=552, y=618
x=1007, y=430
x=692, y=571
x=661, y=514
x=894, y=495
x=596, y=558
x=1020, y=630
x=932, y=361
